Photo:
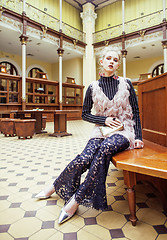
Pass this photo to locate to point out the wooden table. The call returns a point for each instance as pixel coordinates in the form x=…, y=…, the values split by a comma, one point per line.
x=60, y=120
x=147, y=164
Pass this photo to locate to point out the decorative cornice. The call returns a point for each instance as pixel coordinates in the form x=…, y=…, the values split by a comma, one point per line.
x=132, y=35
x=77, y=49
x=37, y=34
x=147, y=38
x=106, y=43
x=75, y=42
x=142, y=33
x=100, y=49
x=15, y=25
x=44, y=30
x=51, y=33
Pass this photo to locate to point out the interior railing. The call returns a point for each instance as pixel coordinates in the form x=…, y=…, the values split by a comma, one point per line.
x=134, y=25
x=44, y=18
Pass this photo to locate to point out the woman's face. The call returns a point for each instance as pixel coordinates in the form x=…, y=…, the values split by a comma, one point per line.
x=110, y=63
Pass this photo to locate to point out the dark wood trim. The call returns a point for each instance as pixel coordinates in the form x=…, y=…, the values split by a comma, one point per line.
x=72, y=85
x=29, y=22
x=10, y=14
x=46, y=81
x=164, y=25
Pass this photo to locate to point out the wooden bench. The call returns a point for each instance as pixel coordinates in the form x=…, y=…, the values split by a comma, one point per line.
x=147, y=164
x=25, y=127
x=7, y=127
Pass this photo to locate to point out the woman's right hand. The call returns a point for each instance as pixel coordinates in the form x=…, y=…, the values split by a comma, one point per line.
x=112, y=122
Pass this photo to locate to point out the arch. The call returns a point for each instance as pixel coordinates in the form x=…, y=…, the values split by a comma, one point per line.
x=12, y=62
x=158, y=70
x=154, y=65
x=36, y=66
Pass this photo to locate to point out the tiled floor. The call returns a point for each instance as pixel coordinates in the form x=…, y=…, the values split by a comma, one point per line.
x=26, y=166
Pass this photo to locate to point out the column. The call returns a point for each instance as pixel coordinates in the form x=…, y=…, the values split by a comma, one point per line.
x=24, y=6
x=89, y=61
x=164, y=10
x=124, y=52
x=60, y=53
x=23, y=40
x=164, y=41
x=60, y=12
x=164, y=44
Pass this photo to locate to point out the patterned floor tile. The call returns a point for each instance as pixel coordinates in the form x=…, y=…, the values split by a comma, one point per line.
x=90, y=221
x=34, y=163
x=4, y=228
x=70, y=236
x=116, y=233
x=30, y=214
x=161, y=229
x=47, y=224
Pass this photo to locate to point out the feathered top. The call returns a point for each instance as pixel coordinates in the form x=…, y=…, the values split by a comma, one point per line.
x=115, y=103
x=117, y=107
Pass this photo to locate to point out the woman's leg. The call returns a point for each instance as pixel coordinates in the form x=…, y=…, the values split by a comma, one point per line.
x=92, y=192
x=69, y=180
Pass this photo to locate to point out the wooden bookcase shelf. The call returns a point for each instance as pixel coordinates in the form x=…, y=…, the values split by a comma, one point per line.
x=40, y=93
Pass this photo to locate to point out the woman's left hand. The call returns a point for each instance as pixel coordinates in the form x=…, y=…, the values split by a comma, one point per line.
x=138, y=144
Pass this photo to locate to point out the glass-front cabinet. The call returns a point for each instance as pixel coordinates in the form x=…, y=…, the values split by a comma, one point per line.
x=41, y=92
x=9, y=90
x=72, y=94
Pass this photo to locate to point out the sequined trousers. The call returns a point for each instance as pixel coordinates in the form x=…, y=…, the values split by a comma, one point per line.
x=95, y=158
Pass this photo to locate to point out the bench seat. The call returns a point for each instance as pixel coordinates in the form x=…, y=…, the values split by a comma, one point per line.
x=7, y=127
x=25, y=128
x=147, y=164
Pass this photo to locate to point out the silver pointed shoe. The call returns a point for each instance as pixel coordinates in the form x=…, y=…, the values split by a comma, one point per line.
x=64, y=216
x=42, y=195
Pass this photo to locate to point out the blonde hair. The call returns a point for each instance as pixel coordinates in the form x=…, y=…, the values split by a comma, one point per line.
x=105, y=51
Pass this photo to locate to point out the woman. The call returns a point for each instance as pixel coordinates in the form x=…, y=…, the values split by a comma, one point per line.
x=116, y=108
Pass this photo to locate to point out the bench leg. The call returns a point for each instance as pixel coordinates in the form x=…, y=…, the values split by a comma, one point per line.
x=132, y=205
x=130, y=181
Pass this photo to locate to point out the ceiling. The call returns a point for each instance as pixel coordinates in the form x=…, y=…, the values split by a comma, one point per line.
x=43, y=50
x=37, y=48
x=97, y=3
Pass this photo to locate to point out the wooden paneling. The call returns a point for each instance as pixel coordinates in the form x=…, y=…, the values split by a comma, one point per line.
x=152, y=96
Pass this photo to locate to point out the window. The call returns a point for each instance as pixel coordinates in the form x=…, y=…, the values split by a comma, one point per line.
x=32, y=73
x=158, y=70
x=11, y=69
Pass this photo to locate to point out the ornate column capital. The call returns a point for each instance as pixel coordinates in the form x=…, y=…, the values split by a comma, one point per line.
x=124, y=52
x=88, y=16
x=23, y=39
x=164, y=43
x=1, y=11
x=60, y=51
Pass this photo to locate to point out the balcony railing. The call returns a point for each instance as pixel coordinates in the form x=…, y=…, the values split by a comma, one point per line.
x=44, y=18
x=130, y=26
